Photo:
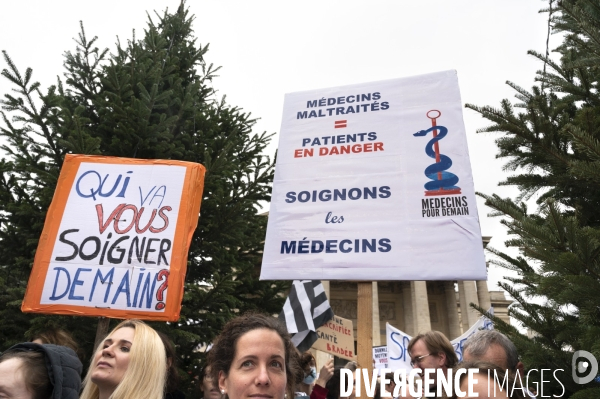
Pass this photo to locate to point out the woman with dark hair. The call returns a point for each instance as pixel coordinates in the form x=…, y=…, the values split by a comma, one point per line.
x=308, y=366
x=311, y=384
x=254, y=356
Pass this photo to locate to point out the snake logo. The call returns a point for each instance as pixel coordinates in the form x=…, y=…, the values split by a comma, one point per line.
x=442, y=182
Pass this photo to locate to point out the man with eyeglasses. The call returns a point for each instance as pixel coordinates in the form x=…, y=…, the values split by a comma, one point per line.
x=432, y=350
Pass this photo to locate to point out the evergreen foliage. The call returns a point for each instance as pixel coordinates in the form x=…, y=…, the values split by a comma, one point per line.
x=549, y=138
x=150, y=98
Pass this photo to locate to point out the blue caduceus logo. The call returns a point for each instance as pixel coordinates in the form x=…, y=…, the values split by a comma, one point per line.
x=442, y=182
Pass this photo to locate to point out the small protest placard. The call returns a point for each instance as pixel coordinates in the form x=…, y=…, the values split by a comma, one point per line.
x=380, y=357
x=116, y=238
x=336, y=337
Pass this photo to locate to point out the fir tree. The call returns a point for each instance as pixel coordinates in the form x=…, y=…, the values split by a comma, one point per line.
x=550, y=140
x=150, y=98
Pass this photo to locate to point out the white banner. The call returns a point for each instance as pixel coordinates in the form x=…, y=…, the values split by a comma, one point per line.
x=483, y=323
x=397, y=343
x=371, y=180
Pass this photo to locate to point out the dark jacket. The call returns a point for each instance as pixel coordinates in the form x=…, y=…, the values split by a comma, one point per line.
x=64, y=368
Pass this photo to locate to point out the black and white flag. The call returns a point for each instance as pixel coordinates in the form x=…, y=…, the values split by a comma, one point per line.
x=305, y=310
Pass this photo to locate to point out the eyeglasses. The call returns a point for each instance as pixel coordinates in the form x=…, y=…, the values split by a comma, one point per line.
x=417, y=360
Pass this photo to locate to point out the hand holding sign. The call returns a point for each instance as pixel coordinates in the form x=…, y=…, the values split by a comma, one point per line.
x=325, y=374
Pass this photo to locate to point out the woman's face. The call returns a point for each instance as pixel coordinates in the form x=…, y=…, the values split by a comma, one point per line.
x=111, y=361
x=209, y=388
x=12, y=381
x=309, y=367
x=258, y=367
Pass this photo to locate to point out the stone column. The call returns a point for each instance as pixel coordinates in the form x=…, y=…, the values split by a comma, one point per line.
x=407, y=304
x=483, y=294
x=421, y=307
x=452, y=310
x=376, y=326
x=464, y=319
x=471, y=297
x=415, y=324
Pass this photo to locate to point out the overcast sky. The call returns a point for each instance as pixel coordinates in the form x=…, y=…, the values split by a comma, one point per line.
x=268, y=48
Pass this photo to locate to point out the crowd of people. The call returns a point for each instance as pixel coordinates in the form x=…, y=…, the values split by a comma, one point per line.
x=489, y=351
x=252, y=358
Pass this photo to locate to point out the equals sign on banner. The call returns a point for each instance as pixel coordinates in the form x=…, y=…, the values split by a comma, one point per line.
x=340, y=124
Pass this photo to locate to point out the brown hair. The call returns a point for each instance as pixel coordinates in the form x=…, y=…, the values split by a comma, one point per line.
x=436, y=343
x=172, y=373
x=35, y=373
x=305, y=359
x=58, y=336
x=223, y=351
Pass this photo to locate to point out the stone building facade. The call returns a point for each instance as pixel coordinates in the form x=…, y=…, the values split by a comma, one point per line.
x=418, y=306
x=437, y=305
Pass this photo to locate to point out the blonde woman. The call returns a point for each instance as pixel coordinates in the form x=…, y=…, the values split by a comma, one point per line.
x=130, y=363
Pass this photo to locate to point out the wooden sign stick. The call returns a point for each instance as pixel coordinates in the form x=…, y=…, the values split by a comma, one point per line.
x=101, y=330
x=365, y=331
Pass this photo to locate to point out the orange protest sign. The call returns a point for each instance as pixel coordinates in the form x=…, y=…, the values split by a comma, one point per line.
x=116, y=238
